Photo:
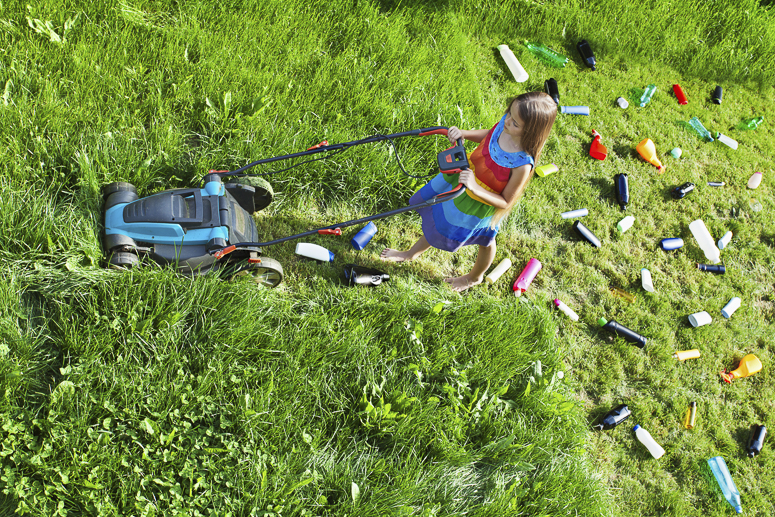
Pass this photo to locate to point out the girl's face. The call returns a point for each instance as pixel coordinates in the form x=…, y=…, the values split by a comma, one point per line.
x=513, y=125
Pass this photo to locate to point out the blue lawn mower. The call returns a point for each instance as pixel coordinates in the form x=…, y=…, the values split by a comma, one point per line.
x=211, y=228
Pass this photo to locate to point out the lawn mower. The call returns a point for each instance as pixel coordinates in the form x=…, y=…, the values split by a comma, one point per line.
x=211, y=228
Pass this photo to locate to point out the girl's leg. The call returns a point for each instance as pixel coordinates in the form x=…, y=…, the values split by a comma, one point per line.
x=483, y=261
x=404, y=256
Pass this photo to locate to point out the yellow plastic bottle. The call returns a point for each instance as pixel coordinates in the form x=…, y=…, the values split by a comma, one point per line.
x=749, y=365
x=648, y=151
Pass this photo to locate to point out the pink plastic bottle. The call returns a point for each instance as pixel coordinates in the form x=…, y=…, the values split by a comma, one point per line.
x=526, y=277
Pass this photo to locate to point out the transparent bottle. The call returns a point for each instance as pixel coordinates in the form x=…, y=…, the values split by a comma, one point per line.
x=697, y=125
x=647, y=94
x=720, y=471
x=547, y=55
x=752, y=123
x=645, y=438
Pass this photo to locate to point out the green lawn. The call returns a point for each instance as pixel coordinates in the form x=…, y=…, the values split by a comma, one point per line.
x=149, y=393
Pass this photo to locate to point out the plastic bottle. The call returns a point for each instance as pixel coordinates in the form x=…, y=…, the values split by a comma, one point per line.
x=581, y=212
x=648, y=93
x=756, y=442
x=716, y=183
x=645, y=280
x=596, y=149
x=703, y=238
x=575, y=110
x=624, y=295
x=625, y=224
x=623, y=332
x=755, y=180
x=363, y=237
x=751, y=123
x=496, y=273
x=724, y=241
x=691, y=415
x=622, y=187
x=749, y=365
x=545, y=170
x=645, y=438
x=648, y=152
x=547, y=55
x=519, y=73
x=700, y=129
x=622, y=102
x=676, y=152
x=614, y=417
x=724, y=139
x=359, y=275
x=730, y=308
x=586, y=234
x=681, y=191
x=680, y=95
x=314, y=251
x=586, y=53
x=717, y=95
x=566, y=310
x=550, y=86
x=698, y=319
x=728, y=489
x=526, y=277
x=683, y=355
x=719, y=270
x=671, y=244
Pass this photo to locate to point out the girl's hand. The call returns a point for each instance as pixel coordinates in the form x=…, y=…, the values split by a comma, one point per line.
x=453, y=134
x=467, y=178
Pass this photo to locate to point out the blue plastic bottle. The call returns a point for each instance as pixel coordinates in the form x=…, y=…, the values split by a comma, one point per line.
x=728, y=488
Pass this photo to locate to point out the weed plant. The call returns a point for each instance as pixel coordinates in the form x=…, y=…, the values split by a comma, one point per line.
x=148, y=393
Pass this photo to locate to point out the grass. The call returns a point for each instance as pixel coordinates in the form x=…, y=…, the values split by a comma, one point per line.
x=152, y=394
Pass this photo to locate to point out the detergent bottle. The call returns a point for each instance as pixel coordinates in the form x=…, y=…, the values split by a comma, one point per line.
x=749, y=365
x=597, y=150
x=648, y=152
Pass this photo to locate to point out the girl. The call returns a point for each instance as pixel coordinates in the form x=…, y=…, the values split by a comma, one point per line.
x=502, y=167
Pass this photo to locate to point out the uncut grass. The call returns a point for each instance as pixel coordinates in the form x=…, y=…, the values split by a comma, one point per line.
x=158, y=96
x=175, y=394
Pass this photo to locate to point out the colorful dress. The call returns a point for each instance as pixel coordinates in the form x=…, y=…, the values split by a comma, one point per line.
x=465, y=220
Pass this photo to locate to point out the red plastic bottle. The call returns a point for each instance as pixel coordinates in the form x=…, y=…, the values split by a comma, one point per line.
x=597, y=150
x=679, y=94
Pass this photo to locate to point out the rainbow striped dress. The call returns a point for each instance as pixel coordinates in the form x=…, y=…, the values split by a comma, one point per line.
x=465, y=220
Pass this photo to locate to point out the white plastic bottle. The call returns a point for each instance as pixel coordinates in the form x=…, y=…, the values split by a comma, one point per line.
x=724, y=139
x=566, y=310
x=645, y=276
x=703, y=238
x=496, y=273
x=519, y=73
x=724, y=241
x=625, y=224
x=645, y=438
x=755, y=180
x=313, y=251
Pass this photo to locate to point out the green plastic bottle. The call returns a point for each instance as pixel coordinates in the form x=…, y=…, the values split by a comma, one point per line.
x=751, y=123
x=648, y=94
x=547, y=55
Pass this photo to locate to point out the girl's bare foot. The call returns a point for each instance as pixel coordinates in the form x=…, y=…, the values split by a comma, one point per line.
x=392, y=255
x=461, y=283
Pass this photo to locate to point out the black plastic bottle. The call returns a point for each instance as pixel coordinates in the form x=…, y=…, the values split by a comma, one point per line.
x=614, y=417
x=359, y=275
x=756, y=442
x=622, y=187
x=712, y=268
x=718, y=93
x=681, y=191
x=550, y=85
x=587, y=234
x=586, y=53
x=623, y=332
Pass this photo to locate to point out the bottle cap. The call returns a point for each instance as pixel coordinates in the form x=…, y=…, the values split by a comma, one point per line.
x=636, y=428
x=602, y=321
x=692, y=404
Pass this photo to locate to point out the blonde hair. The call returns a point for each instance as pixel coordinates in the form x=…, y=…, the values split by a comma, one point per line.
x=537, y=111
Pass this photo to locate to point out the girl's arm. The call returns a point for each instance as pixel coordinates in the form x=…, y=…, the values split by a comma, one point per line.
x=514, y=187
x=474, y=135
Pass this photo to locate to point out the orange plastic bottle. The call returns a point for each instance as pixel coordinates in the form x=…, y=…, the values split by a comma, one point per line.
x=749, y=365
x=648, y=151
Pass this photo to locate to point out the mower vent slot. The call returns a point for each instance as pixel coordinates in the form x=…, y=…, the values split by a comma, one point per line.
x=185, y=207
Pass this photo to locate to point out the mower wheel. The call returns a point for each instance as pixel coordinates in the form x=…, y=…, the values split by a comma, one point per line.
x=268, y=273
x=264, y=192
x=123, y=260
x=119, y=186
